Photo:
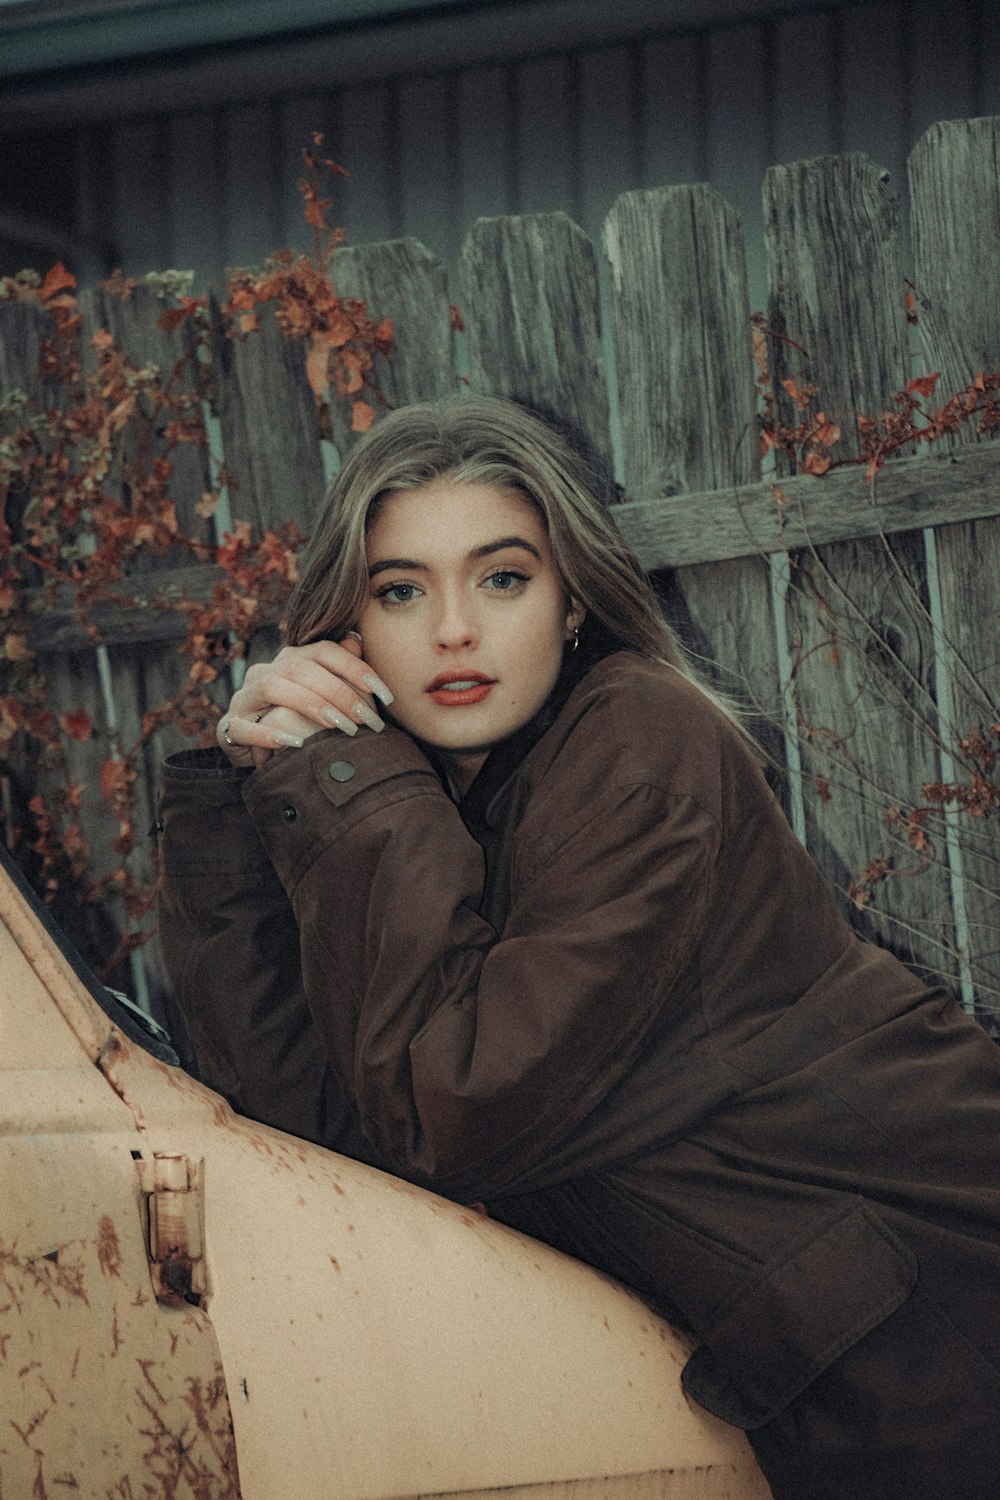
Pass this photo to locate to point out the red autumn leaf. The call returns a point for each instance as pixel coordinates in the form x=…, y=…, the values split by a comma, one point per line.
x=113, y=779
x=924, y=384
x=77, y=724
x=173, y=317
x=340, y=328
x=457, y=321
x=57, y=280
x=798, y=394
x=827, y=433
x=362, y=416
x=822, y=789
x=816, y=463
x=318, y=363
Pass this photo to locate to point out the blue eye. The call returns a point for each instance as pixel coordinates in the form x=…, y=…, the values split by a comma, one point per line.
x=397, y=593
x=506, y=580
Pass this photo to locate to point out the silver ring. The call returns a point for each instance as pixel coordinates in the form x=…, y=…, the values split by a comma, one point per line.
x=225, y=734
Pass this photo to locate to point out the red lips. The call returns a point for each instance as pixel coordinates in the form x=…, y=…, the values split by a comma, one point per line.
x=477, y=688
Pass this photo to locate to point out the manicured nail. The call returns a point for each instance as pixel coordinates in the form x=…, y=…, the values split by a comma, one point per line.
x=340, y=721
x=284, y=741
x=367, y=716
x=377, y=686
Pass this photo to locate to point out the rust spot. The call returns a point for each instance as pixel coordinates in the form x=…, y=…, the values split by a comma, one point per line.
x=108, y=1249
x=76, y=1361
x=338, y=1190
x=25, y=1433
x=144, y=1365
x=176, y=1277
x=116, y=1338
x=607, y=1325
x=66, y=1479
x=335, y=1263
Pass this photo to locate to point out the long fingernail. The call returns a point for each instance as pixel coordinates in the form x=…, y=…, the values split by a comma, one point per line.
x=284, y=741
x=368, y=716
x=340, y=721
x=377, y=686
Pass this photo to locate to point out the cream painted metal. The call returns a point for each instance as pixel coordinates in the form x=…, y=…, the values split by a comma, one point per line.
x=358, y=1338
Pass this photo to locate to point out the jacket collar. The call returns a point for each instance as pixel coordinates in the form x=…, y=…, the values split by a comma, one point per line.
x=482, y=807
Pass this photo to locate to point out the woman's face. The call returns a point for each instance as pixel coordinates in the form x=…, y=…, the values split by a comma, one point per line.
x=467, y=618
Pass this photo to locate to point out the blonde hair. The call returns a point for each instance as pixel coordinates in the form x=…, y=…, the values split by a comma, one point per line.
x=483, y=440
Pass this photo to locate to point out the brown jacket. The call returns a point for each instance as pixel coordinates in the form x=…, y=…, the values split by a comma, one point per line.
x=620, y=1008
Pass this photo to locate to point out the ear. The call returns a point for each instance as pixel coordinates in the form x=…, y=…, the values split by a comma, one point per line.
x=575, y=616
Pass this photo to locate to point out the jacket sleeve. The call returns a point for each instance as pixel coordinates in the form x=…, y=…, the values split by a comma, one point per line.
x=231, y=949
x=473, y=1053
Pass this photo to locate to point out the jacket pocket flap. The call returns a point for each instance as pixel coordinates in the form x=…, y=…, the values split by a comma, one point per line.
x=773, y=1340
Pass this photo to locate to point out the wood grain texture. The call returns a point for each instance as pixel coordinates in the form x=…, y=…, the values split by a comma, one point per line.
x=528, y=293
x=401, y=280
x=681, y=322
x=132, y=321
x=681, y=329
x=857, y=611
x=270, y=429
x=955, y=192
x=739, y=521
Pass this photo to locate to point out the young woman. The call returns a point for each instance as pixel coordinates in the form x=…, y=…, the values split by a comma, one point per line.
x=484, y=887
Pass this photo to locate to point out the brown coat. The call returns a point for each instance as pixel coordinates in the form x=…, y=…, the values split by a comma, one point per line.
x=621, y=1009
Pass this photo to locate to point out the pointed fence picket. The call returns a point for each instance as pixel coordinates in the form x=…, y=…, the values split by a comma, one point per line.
x=856, y=622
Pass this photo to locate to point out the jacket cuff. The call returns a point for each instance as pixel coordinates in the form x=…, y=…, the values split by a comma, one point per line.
x=201, y=822
x=208, y=765
x=303, y=801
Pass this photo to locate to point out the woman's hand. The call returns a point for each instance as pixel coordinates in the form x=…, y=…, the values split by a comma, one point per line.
x=325, y=685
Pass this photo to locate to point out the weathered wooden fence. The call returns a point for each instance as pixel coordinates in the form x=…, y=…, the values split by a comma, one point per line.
x=860, y=622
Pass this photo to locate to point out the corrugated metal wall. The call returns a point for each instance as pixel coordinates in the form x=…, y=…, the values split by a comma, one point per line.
x=567, y=130
x=216, y=187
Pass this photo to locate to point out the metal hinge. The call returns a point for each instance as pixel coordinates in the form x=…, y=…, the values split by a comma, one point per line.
x=174, y=1200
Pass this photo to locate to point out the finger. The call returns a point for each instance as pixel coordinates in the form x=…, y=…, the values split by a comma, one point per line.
x=296, y=681
x=237, y=736
x=344, y=658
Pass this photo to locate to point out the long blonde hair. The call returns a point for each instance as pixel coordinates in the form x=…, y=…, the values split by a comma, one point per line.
x=482, y=440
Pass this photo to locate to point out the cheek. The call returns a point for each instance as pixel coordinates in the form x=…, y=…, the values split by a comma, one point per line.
x=385, y=646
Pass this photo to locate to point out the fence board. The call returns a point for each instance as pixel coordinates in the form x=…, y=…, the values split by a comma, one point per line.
x=955, y=191
x=528, y=288
x=685, y=394
x=24, y=327
x=270, y=431
x=400, y=280
x=858, y=624
x=132, y=321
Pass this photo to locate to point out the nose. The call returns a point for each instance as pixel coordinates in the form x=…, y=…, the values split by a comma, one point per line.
x=455, y=627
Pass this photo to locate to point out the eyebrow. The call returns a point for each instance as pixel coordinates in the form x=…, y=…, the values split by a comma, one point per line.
x=486, y=550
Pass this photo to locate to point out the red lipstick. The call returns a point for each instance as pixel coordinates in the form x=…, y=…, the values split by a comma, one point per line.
x=458, y=689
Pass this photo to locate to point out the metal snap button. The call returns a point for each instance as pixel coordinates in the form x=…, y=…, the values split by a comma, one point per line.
x=289, y=814
x=342, y=770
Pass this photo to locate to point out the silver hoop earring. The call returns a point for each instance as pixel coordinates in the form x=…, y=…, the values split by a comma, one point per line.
x=576, y=637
